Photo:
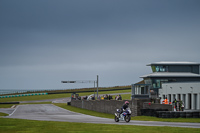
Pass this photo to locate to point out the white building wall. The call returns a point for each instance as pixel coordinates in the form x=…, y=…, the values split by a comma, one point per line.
x=188, y=91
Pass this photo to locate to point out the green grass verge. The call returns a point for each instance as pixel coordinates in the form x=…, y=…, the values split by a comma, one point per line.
x=149, y=118
x=126, y=96
x=140, y=118
x=6, y=105
x=54, y=96
x=32, y=98
x=3, y=114
x=84, y=111
x=32, y=126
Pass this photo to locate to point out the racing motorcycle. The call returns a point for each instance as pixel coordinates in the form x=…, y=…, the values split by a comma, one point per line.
x=124, y=116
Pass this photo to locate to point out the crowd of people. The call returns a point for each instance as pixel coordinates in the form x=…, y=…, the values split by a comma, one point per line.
x=178, y=104
x=110, y=97
x=75, y=97
x=118, y=97
x=106, y=97
x=103, y=97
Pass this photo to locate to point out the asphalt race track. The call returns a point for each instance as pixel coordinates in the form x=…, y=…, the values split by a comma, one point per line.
x=49, y=112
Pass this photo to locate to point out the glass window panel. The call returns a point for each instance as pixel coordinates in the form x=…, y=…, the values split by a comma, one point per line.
x=157, y=68
x=153, y=68
x=166, y=69
x=161, y=68
x=158, y=83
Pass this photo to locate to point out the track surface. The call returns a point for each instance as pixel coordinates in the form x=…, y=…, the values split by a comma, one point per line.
x=49, y=112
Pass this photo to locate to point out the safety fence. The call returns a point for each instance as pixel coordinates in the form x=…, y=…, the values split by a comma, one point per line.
x=21, y=95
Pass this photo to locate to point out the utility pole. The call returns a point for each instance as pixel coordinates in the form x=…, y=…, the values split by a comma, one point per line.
x=97, y=85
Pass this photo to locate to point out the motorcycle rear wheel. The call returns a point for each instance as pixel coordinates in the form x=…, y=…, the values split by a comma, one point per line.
x=116, y=119
x=127, y=118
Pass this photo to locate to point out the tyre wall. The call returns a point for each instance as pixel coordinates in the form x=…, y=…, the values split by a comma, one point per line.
x=164, y=113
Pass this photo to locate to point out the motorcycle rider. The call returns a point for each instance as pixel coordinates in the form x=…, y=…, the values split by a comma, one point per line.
x=124, y=107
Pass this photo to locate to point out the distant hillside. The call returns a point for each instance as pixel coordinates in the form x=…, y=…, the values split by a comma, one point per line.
x=57, y=91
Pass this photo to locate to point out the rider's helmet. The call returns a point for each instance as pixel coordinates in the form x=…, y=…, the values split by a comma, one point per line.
x=127, y=103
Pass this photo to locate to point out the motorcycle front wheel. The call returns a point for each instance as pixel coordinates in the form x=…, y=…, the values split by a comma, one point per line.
x=127, y=118
x=116, y=119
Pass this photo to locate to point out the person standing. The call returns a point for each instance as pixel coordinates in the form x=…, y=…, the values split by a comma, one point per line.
x=120, y=97
x=166, y=101
x=175, y=103
x=181, y=106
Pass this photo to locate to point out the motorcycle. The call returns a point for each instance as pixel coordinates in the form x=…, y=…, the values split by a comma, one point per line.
x=124, y=116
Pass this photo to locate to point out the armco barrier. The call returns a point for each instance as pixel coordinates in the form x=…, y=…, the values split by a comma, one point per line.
x=170, y=114
x=21, y=95
x=9, y=102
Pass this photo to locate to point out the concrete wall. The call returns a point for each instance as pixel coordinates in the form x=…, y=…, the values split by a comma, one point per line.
x=109, y=106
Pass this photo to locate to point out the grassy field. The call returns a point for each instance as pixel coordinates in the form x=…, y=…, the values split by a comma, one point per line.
x=32, y=126
x=8, y=125
x=18, y=125
x=63, y=95
x=124, y=96
x=3, y=114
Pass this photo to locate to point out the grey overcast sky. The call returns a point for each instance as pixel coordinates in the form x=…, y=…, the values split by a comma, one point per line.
x=45, y=41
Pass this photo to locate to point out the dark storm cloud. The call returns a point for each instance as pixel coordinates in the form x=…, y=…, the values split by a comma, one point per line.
x=47, y=41
x=57, y=14
x=88, y=15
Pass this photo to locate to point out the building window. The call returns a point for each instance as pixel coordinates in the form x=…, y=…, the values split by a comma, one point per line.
x=159, y=68
x=156, y=83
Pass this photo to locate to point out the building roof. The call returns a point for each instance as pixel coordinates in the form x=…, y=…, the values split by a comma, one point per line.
x=173, y=63
x=170, y=74
x=141, y=82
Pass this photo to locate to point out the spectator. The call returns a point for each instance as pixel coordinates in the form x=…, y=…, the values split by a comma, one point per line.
x=181, y=105
x=92, y=98
x=99, y=98
x=72, y=97
x=175, y=103
x=120, y=98
x=106, y=97
x=110, y=97
x=166, y=101
x=85, y=98
x=116, y=98
x=102, y=98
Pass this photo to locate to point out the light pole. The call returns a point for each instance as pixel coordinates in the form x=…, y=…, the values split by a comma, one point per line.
x=97, y=85
x=94, y=89
x=181, y=94
x=191, y=102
